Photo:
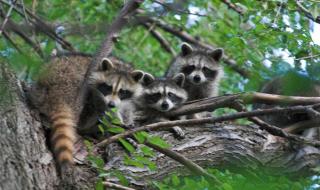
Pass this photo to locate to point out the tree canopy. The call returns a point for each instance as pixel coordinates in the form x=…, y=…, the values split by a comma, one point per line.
x=261, y=40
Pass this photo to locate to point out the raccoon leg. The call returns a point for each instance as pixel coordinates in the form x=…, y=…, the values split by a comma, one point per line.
x=179, y=133
x=199, y=115
x=311, y=133
x=193, y=116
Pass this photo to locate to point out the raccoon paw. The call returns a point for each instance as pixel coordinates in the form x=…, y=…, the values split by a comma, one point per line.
x=179, y=133
x=193, y=116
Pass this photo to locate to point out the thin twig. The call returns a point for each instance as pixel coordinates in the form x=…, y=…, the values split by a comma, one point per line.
x=210, y=104
x=307, y=57
x=41, y=26
x=6, y=35
x=234, y=7
x=276, y=130
x=303, y=125
x=17, y=30
x=193, y=167
x=212, y=120
x=169, y=8
x=190, y=39
x=7, y=17
x=116, y=186
x=306, y=12
x=163, y=42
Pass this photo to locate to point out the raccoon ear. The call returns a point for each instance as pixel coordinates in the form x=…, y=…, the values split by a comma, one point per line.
x=137, y=75
x=106, y=64
x=216, y=54
x=148, y=79
x=186, y=49
x=179, y=79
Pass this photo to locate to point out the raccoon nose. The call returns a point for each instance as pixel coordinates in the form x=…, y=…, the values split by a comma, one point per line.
x=164, y=105
x=111, y=104
x=196, y=78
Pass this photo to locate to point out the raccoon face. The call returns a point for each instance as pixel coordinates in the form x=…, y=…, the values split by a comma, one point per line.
x=117, y=86
x=164, y=94
x=200, y=66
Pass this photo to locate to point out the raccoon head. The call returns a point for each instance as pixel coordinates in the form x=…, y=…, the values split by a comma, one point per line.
x=200, y=66
x=116, y=85
x=163, y=94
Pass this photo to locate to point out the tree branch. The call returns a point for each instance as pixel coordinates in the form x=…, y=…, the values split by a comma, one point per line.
x=191, y=122
x=7, y=16
x=233, y=7
x=303, y=125
x=127, y=11
x=193, y=167
x=306, y=12
x=41, y=25
x=116, y=186
x=157, y=35
x=190, y=39
x=17, y=30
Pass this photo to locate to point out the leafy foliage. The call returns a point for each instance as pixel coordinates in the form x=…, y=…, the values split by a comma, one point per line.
x=231, y=181
x=269, y=39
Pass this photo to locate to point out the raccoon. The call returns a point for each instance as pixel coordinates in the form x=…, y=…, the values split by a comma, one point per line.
x=117, y=83
x=290, y=84
x=201, y=69
x=59, y=96
x=161, y=95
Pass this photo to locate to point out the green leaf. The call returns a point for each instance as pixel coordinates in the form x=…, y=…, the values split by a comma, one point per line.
x=175, y=180
x=115, y=129
x=140, y=137
x=227, y=186
x=99, y=185
x=123, y=180
x=127, y=145
x=88, y=145
x=101, y=129
x=156, y=140
x=147, y=151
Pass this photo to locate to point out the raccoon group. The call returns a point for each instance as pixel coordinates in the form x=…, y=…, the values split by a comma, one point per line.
x=62, y=98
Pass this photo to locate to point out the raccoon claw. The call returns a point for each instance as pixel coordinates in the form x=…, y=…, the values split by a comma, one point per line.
x=179, y=133
x=127, y=126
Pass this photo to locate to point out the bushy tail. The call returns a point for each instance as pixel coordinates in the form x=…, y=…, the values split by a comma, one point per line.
x=63, y=134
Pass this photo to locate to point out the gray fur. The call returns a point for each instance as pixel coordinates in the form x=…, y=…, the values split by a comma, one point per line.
x=170, y=96
x=290, y=84
x=201, y=64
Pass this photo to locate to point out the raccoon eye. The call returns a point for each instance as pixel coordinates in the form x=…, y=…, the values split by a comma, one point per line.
x=153, y=98
x=174, y=98
x=125, y=94
x=209, y=73
x=188, y=69
x=104, y=88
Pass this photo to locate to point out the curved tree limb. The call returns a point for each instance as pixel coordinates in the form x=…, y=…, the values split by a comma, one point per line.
x=163, y=42
x=226, y=146
x=233, y=7
x=193, y=167
x=191, y=122
x=190, y=39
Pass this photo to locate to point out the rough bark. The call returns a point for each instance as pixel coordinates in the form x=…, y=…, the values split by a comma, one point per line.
x=27, y=163
x=234, y=147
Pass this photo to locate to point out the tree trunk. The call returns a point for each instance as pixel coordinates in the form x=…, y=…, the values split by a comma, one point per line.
x=233, y=147
x=27, y=163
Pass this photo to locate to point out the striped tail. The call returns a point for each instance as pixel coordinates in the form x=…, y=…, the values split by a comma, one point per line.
x=63, y=135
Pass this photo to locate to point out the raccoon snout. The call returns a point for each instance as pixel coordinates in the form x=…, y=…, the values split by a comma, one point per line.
x=196, y=78
x=164, y=106
x=111, y=104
